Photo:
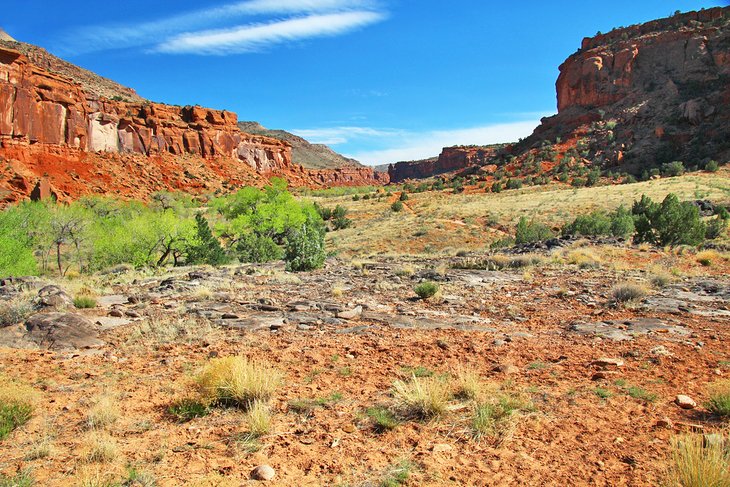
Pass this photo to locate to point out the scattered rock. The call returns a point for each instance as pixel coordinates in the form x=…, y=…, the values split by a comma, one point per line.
x=507, y=369
x=263, y=473
x=350, y=314
x=608, y=362
x=54, y=297
x=664, y=422
x=62, y=331
x=116, y=313
x=685, y=402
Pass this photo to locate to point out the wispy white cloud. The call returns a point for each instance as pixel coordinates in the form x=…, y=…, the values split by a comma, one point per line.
x=254, y=37
x=399, y=145
x=105, y=37
x=343, y=135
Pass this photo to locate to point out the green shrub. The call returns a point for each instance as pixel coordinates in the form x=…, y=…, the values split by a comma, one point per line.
x=674, y=168
x=426, y=289
x=397, y=206
x=383, y=419
x=719, y=402
x=531, y=231
x=339, y=218
x=187, y=409
x=715, y=228
x=618, y=224
x=712, y=166
x=206, y=248
x=496, y=187
x=305, y=247
x=257, y=248
x=514, y=183
x=403, y=196
x=16, y=259
x=83, y=302
x=670, y=223
x=593, y=176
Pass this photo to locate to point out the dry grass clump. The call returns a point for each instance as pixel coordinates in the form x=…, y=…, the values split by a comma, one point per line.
x=659, y=277
x=102, y=448
x=424, y=397
x=237, y=381
x=625, y=293
x=258, y=419
x=17, y=402
x=496, y=416
x=697, y=462
x=719, y=402
x=584, y=258
x=103, y=413
x=707, y=257
x=501, y=261
x=467, y=384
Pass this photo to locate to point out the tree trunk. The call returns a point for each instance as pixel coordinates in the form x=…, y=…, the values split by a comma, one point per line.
x=58, y=258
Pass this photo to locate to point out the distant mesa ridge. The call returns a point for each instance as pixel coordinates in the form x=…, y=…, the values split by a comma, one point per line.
x=4, y=36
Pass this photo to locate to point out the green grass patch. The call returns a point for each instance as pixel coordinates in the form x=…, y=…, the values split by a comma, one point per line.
x=84, y=302
x=383, y=418
x=187, y=409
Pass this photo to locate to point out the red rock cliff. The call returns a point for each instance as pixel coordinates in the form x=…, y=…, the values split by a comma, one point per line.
x=51, y=129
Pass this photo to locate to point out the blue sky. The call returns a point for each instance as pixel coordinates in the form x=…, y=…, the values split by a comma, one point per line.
x=378, y=80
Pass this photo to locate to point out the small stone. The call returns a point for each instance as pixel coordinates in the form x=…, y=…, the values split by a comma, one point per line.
x=229, y=316
x=507, y=369
x=263, y=472
x=661, y=351
x=350, y=314
x=303, y=327
x=441, y=447
x=664, y=422
x=608, y=362
x=498, y=342
x=685, y=402
x=116, y=313
x=349, y=428
x=603, y=375
x=133, y=314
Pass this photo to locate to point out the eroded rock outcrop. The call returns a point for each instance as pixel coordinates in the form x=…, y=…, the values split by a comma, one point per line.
x=71, y=142
x=451, y=159
x=662, y=89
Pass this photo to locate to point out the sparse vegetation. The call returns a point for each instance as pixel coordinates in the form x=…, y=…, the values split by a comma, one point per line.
x=423, y=397
x=237, y=381
x=697, y=463
x=84, y=302
x=103, y=413
x=16, y=405
x=383, y=418
x=719, y=402
x=426, y=289
x=187, y=409
x=625, y=293
x=101, y=448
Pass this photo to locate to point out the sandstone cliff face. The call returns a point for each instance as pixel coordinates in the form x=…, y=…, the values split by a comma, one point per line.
x=50, y=126
x=451, y=159
x=662, y=88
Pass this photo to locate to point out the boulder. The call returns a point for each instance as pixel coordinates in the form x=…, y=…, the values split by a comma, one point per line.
x=62, y=331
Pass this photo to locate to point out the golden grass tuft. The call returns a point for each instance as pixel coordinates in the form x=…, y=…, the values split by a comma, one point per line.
x=583, y=258
x=237, y=381
x=719, y=402
x=104, y=413
x=627, y=293
x=707, y=257
x=258, y=419
x=467, y=384
x=696, y=462
x=101, y=448
x=424, y=397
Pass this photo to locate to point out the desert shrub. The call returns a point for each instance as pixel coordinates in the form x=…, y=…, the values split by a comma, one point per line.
x=669, y=223
x=339, y=218
x=531, y=231
x=206, y=248
x=715, y=228
x=426, y=289
x=15, y=310
x=593, y=176
x=258, y=419
x=719, y=402
x=102, y=448
x=237, y=381
x=493, y=418
x=696, y=462
x=257, y=248
x=674, y=168
x=618, y=224
x=305, y=247
x=397, y=206
x=83, y=302
x=403, y=196
x=514, y=184
x=467, y=384
x=424, y=397
x=496, y=187
x=624, y=293
x=712, y=166
x=583, y=258
x=20, y=479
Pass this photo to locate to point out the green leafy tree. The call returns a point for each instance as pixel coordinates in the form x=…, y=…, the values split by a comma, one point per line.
x=305, y=249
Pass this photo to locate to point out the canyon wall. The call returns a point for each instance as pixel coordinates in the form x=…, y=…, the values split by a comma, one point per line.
x=52, y=130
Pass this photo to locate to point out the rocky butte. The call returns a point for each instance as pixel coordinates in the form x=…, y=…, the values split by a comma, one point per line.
x=451, y=159
x=648, y=94
x=58, y=137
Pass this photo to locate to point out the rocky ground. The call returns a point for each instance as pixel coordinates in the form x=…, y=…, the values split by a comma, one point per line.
x=598, y=380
